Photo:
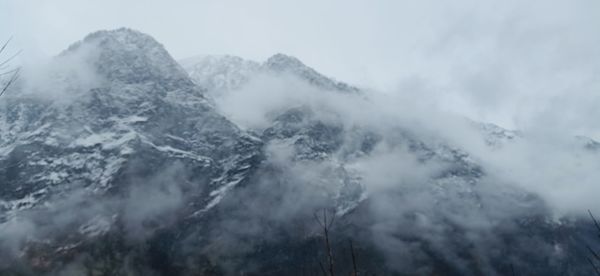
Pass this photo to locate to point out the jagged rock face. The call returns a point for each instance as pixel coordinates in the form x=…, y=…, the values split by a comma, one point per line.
x=143, y=117
x=131, y=57
x=222, y=73
x=457, y=188
x=281, y=63
x=143, y=176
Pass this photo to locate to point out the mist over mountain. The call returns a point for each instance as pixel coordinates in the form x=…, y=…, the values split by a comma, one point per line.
x=115, y=159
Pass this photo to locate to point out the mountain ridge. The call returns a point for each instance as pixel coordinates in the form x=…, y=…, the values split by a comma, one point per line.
x=141, y=174
x=127, y=55
x=233, y=71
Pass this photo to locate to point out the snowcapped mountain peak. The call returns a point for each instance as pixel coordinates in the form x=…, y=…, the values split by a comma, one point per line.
x=215, y=60
x=282, y=62
x=225, y=72
x=143, y=120
x=124, y=35
x=122, y=38
x=219, y=72
x=129, y=56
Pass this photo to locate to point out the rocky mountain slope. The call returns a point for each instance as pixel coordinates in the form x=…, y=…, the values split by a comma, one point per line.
x=219, y=73
x=121, y=164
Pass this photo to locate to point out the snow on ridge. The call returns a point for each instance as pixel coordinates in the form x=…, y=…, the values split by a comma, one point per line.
x=216, y=73
x=129, y=56
x=96, y=226
x=219, y=73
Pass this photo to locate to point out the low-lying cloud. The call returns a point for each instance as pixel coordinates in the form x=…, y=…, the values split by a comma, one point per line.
x=535, y=172
x=545, y=169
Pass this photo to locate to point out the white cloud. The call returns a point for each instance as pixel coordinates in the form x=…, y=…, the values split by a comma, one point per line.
x=508, y=62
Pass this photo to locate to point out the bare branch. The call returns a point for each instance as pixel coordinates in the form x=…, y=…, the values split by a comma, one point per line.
x=331, y=220
x=326, y=224
x=10, y=58
x=322, y=269
x=14, y=73
x=12, y=79
x=5, y=44
x=9, y=72
x=595, y=221
x=593, y=253
x=354, y=270
x=594, y=266
x=596, y=256
x=318, y=219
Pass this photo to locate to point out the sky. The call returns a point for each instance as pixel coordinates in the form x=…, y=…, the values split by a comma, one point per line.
x=519, y=64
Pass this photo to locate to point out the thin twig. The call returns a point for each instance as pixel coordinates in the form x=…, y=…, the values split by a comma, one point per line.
x=10, y=72
x=5, y=44
x=318, y=219
x=326, y=225
x=12, y=79
x=322, y=269
x=595, y=221
x=10, y=58
x=14, y=72
x=596, y=256
x=355, y=271
x=594, y=266
x=593, y=252
x=332, y=220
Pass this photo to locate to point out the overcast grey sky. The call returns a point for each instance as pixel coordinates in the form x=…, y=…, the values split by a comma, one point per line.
x=516, y=63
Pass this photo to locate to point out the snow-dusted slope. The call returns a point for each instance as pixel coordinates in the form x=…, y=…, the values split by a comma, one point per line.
x=118, y=162
x=129, y=56
x=339, y=156
x=142, y=117
x=218, y=73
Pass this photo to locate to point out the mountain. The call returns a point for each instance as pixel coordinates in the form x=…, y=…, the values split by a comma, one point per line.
x=143, y=131
x=281, y=63
x=120, y=163
x=217, y=73
x=130, y=57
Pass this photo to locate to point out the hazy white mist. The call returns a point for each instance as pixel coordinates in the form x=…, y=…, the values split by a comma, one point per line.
x=518, y=64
